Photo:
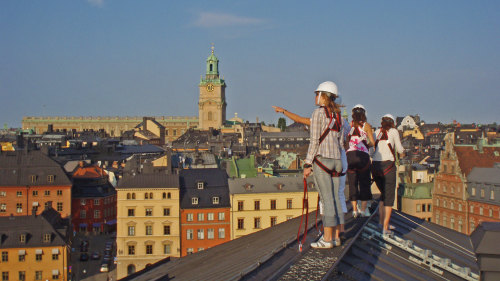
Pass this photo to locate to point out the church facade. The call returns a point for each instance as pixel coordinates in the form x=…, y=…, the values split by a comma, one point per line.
x=211, y=114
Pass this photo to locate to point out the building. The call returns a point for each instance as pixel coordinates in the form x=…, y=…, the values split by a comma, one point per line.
x=259, y=203
x=30, y=179
x=450, y=204
x=212, y=102
x=34, y=247
x=93, y=200
x=147, y=220
x=205, y=209
x=417, y=200
x=483, y=185
x=150, y=131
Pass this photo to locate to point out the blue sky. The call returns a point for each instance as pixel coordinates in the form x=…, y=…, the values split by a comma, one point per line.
x=439, y=59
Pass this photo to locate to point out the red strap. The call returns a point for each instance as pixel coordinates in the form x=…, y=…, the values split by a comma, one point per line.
x=333, y=173
x=305, y=205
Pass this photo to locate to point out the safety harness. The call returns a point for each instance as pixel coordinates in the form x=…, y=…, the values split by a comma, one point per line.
x=355, y=132
x=383, y=136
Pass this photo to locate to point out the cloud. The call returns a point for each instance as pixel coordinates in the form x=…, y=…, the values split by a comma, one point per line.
x=97, y=3
x=206, y=19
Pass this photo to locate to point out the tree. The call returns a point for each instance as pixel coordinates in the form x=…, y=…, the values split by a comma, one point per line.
x=282, y=123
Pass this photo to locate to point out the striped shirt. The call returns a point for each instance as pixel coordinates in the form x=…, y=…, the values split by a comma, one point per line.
x=331, y=145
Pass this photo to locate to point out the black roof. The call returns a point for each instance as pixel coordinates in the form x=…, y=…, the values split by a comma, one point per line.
x=215, y=184
x=419, y=250
x=34, y=227
x=155, y=180
x=17, y=167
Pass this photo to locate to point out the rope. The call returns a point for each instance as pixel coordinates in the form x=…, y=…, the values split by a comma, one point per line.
x=305, y=205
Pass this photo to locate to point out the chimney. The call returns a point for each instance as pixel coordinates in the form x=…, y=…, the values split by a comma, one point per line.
x=487, y=249
x=145, y=123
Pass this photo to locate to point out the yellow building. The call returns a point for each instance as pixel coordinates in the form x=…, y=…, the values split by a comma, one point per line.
x=417, y=200
x=258, y=203
x=147, y=221
x=414, y=132
x=34, y=247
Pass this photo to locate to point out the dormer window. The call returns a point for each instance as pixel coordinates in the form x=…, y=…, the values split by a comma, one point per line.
x=22, y=238
x=248, y=186
x=280, y=186
x=215, y=200
x=32, y=178
x=46, y=237
x=194, y=200
x=50, y=178
x=201, y=185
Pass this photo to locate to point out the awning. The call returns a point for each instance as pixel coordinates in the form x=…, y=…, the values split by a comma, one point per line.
x=111, y=222
x=83, y=225
x=38, y=251
x=96, y=224
x=55, y=271
x=55, y=251
x=22, y=252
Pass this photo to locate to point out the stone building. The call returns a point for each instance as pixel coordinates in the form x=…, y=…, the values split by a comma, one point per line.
x=484, y=196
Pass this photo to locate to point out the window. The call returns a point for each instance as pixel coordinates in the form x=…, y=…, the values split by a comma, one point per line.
x=429, y=208
x=38, y=275
x=274, y=220
x=490, y=212
x=452, y=190
x=189, y=234
x=38, y=257
x=256, y=205
x=133, y=195
x=33, y=178
x=473, y=191
x=59, y=192
x=471, y=209
x=189, y=250
x=5, y=256
x=149, y=230
x=47, y=193
x=131, y=249
x=50, y=178
x=210, y=233
x=452, y=223
x=201, y=249
x=240, y=205
x=164, y=195
x=241, y=223
x=35, y=193
x=201, y=234
x=167, y=249
x=222, y=216
x=200, y=185
x=472, y=226
x=194, y=200
x=19, y=207
x=166, y=230
x=149, y=249
x=459, y=207
x=437, y=218
x=189, y=217
x=22, y=275
x=59, y=206
x=131, y=212
x=131, y=230
x=3, y=208
x=47, y=237
x=492, y=195
x=97, y=214
x=481, y=211
x=273, y=204
x=82, y=202
x=445, y=204
x=256, y=223
x=166, y=211
x=19, y=194
x=22, y=238
x=149, y=212
x=452, y=205
x=437, y=202
x=215, y=200
x=482, y=192
x=289, y=218
x=222, y=233
x=55, y=257
x=5, y=276
x=97, y=202
x=83, y=214
x=289, y=203
x=210, y=216
x=22, y=256
x=201, y=217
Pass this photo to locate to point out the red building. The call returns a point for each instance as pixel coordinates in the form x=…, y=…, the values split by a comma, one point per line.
x=205, y=209
x=93, y=200
x=31, y=180
x=451, y=192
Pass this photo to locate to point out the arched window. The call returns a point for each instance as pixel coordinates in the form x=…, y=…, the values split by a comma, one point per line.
x=210, y=117
x=128, y=196
x=151, y=195
x=164, y=195
x=133, y=195
x=211, y=67
x=146, y=195
x=169, y=195
x=130, y=269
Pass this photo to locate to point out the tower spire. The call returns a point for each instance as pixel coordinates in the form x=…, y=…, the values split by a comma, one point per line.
x=212, y=47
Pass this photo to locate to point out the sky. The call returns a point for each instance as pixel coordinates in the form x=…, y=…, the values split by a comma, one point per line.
x=438, y=59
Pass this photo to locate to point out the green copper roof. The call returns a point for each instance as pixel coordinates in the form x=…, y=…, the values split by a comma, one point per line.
x=418, y=190
x=244, y=166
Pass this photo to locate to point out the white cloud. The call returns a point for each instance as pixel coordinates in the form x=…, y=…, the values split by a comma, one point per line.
x=97, y=3
x=206, y=19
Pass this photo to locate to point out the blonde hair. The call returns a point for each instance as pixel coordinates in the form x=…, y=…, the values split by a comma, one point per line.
x=329, y=104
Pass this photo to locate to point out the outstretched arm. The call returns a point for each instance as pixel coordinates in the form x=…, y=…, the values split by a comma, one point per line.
x=293, y=116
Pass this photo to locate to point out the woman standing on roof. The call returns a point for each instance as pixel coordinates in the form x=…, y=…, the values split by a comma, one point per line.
x=326, y=139
x=387, y=144
x=358, y=158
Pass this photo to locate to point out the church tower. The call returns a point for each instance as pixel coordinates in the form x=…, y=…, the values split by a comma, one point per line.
x=212, y=101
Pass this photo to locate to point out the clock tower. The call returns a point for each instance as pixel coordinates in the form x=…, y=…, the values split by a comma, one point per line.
x=212, y=101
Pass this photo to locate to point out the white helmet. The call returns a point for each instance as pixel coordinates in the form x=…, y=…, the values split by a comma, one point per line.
x=328, y=87
x=389, y=116
x=359, y=106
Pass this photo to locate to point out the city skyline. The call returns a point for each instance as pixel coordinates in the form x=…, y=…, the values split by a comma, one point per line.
x=119, y=58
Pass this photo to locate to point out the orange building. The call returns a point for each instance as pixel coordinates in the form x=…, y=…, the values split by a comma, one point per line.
x=31, y=180
x=205, y=209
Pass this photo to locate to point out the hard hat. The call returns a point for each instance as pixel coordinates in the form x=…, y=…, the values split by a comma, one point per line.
x=328, y=87
x=359, y=106
x=389, y=116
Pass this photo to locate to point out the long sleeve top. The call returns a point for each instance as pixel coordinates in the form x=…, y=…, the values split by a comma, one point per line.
x=331, y=145
x=382, y=151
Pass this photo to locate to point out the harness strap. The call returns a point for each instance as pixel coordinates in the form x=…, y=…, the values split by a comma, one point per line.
x=333, y=173
x=385, y=137
x=331, y=127
x=305, y=205
x=384, y=172
x=354, y=170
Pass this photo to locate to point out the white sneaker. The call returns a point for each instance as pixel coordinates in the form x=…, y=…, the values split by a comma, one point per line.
x=366, y=213
x=322, y=244
x=355, y=214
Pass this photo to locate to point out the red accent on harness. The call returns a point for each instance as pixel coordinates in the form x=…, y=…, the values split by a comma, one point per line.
x=337, y=125
x=305, y=205
x=333, y=173
x=385, y=137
